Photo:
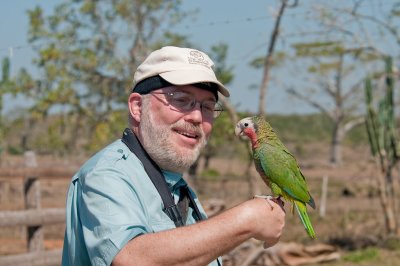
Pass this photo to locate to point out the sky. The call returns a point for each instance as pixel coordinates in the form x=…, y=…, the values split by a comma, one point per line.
x=244, y=25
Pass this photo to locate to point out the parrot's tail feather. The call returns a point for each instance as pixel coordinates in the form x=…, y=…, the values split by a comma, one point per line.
x=311, y=202
x=302, y=211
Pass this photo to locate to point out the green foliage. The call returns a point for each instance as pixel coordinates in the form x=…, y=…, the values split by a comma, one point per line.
x=100, y=137
x=278, y=59
x=52, y=141
x=49, y=137
x=381, y=119
x=323, y=67
x=5, y=67
x=395, y=12
x=210, y=174
x=316, y=49
x=223, y=133
x=106, y=131
x=384, y=139
x=392, y=243
x=223, y=72
x=13, y=150
x=87, y=52
x=223, y=130
x=368, y=254
x=357, y=136
x=301, y=128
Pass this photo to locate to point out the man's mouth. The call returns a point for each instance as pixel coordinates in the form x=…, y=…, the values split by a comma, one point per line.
x=192, y=135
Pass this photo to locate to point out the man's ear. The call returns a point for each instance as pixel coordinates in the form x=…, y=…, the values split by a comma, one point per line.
x=135, y=106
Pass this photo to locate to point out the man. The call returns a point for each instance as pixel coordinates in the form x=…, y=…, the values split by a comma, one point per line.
x=116, y=213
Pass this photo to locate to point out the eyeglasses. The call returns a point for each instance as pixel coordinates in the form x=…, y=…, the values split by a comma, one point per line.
x=185, y=102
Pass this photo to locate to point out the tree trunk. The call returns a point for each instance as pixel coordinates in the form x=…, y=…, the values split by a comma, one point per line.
x=268, y=59
x=336, y=147
x=387, y=195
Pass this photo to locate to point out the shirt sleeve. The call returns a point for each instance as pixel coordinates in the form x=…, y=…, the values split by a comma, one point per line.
x=110, y=211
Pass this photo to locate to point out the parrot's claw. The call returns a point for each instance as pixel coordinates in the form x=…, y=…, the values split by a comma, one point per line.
x=269, y=198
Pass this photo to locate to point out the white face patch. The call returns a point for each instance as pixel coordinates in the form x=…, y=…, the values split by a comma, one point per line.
x=242, y=125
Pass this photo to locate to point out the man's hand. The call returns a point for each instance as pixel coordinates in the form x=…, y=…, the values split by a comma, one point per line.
x=266, y=223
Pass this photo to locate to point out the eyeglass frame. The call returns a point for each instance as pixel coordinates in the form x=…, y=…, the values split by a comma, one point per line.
x=216, y=112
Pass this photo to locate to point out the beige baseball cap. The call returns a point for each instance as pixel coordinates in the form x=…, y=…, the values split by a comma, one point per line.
x=179, y=66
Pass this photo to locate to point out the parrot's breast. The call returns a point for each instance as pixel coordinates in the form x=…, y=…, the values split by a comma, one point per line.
x=261, y=170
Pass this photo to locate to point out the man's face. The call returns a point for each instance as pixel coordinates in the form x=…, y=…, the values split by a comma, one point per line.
x=174, y=138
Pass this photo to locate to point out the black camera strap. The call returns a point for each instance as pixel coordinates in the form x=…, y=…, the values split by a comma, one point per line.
x=154, y=172
x=156, y=176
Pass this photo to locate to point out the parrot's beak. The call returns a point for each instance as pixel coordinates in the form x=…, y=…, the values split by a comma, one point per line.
x=239, y=129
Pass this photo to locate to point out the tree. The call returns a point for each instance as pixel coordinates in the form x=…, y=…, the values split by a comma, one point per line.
x=7, y=87
x=379, y=32
x=268, y=60
x=87, y=53
x=331, y=69
x=347, y=44
x=384, y=141
x=4, y=84
x=266, y=63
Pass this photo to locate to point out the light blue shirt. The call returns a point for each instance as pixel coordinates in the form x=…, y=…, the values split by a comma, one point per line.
x=110, y=201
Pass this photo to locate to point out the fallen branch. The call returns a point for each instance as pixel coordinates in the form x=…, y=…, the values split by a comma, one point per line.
x=292, y=254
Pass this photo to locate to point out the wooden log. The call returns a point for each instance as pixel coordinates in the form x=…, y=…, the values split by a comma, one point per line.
x=43, y=258
x=32, y=217
x=292, y=254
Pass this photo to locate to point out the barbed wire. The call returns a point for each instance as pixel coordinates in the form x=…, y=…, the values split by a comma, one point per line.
x=11, y=49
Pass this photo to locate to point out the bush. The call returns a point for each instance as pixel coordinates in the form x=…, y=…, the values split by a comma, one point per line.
x=12, y=150
x=358, y=256
x=392, y=243
x=210, y=174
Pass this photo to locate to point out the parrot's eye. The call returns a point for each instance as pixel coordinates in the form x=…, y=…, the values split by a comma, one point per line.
x=246, y=124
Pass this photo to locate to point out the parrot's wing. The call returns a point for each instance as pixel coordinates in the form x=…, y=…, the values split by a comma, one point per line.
x=281, y=168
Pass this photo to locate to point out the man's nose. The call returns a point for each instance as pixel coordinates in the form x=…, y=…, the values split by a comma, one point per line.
x=195, y=115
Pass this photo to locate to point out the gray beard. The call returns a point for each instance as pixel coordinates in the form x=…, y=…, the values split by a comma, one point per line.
x=157, y=143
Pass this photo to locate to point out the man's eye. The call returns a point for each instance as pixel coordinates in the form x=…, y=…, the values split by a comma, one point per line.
x=209, y=106
x=182, y=99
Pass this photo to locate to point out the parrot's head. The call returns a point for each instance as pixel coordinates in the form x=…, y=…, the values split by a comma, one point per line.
x=246, y=127
x=256, y=129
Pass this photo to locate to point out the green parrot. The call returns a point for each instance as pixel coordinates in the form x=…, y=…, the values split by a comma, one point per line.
x=277, y=166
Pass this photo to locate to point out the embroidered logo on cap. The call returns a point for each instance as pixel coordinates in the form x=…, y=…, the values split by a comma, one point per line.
x=196, y=57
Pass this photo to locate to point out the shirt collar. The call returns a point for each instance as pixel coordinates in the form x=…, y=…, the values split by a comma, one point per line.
x=172, y=178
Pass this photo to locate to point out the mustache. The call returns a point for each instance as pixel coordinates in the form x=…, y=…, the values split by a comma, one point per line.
x=189, y=127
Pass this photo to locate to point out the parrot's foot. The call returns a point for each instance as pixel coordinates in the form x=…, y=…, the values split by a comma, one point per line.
x=269, y=198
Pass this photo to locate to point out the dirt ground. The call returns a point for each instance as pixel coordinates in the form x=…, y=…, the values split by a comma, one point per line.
x=353, y=221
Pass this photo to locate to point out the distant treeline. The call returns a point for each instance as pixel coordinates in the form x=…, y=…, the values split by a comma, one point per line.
x=312, y=128
x=65, y=135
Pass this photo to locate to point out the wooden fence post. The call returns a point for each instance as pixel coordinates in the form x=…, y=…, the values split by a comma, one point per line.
x=32, y=201
x=324, y=195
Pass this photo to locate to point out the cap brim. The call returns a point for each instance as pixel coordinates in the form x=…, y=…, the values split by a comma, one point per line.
x=187, y=77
